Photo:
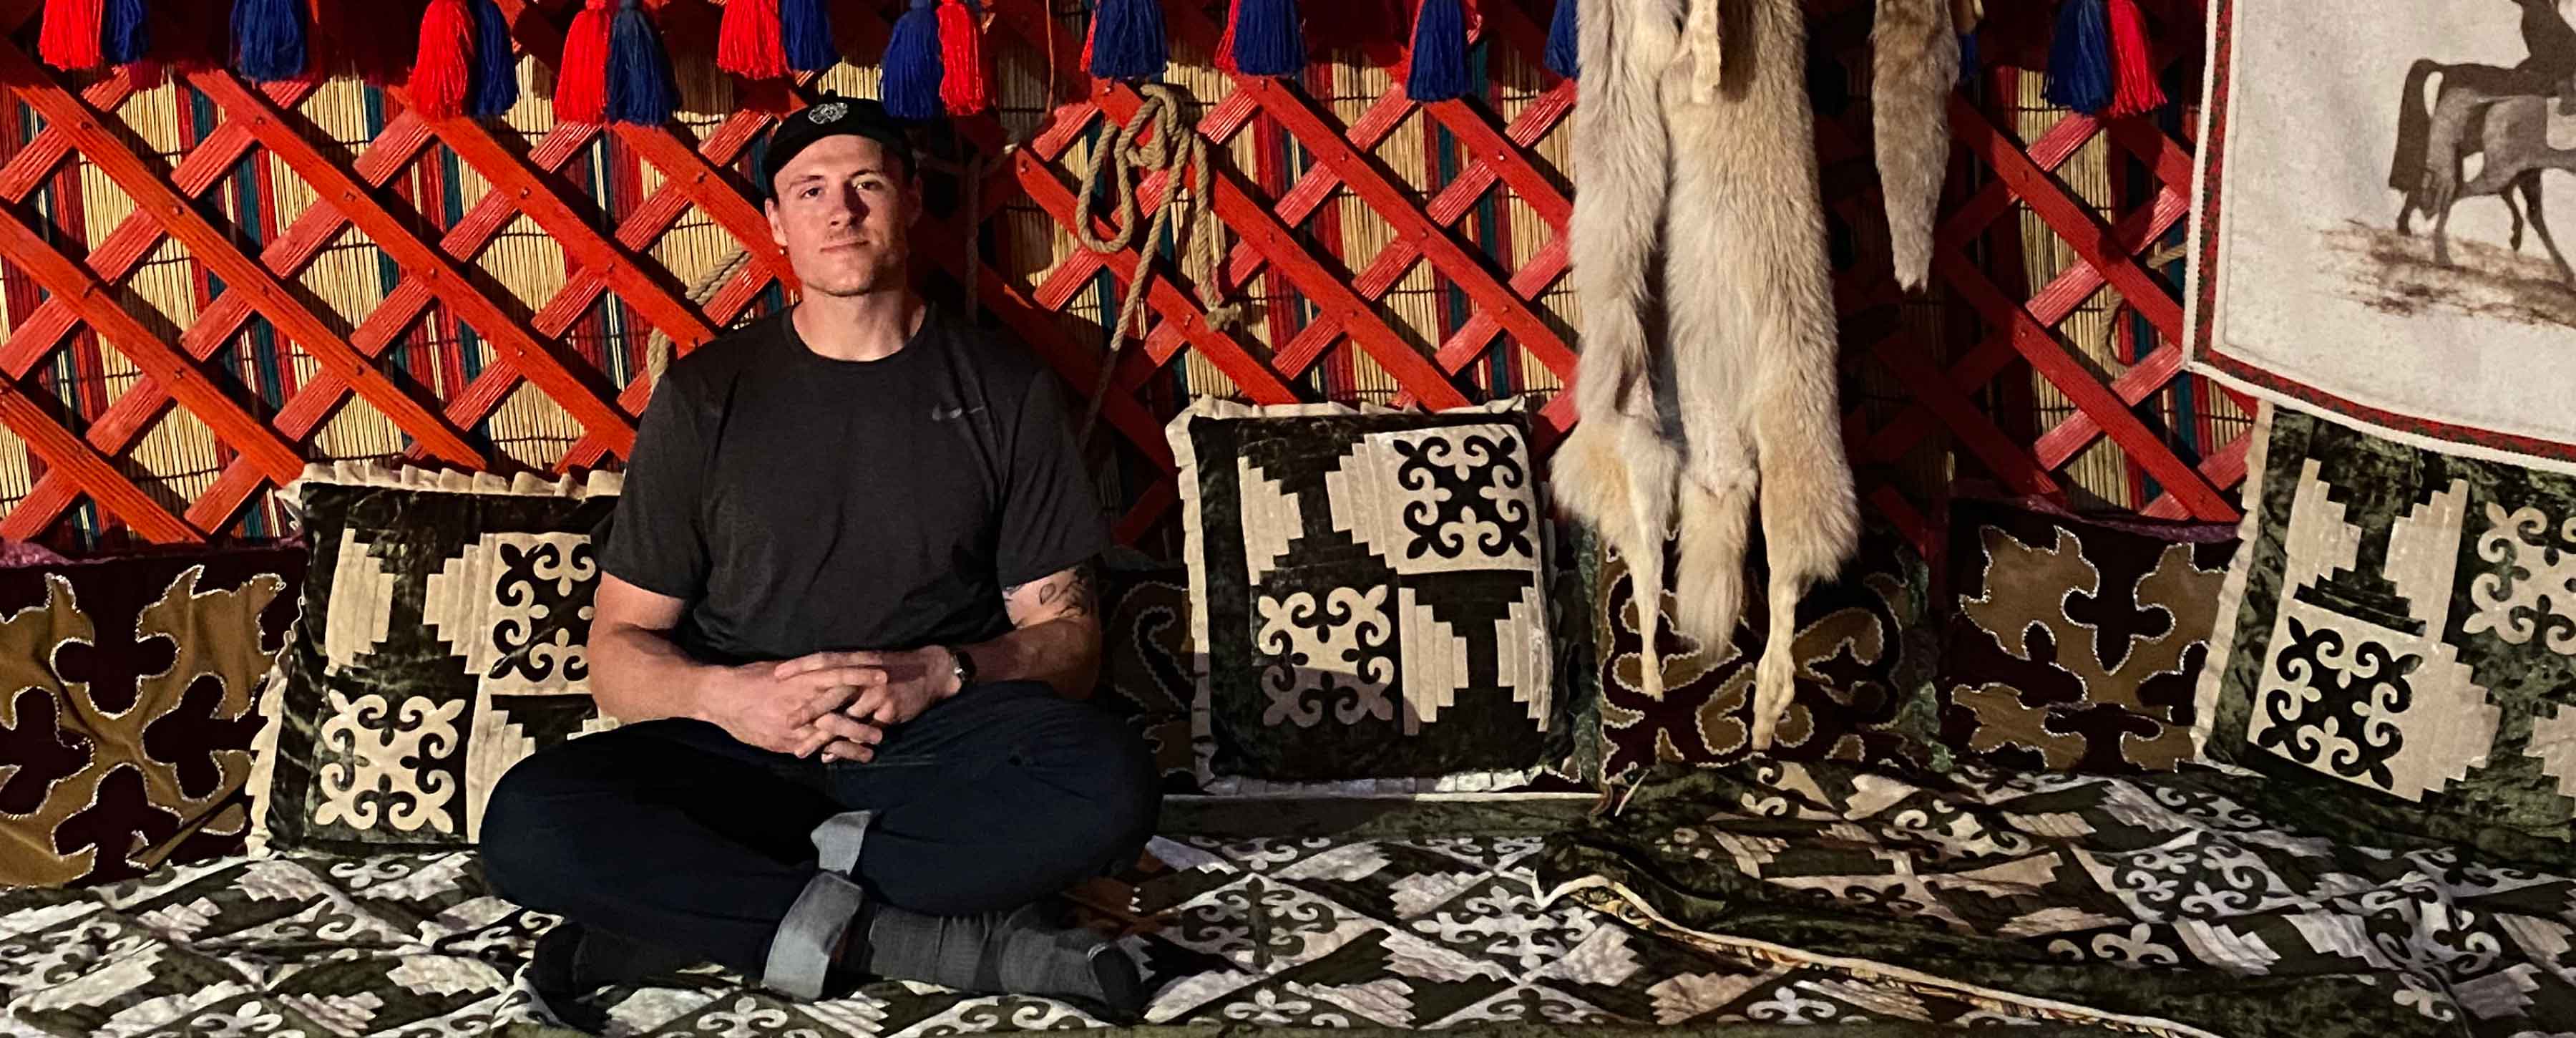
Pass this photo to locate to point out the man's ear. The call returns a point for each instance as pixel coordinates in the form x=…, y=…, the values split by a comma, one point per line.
x=777, y=227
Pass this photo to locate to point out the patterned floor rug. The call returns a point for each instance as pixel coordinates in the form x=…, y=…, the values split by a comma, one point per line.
x=2163, y=902
x=1373, y=927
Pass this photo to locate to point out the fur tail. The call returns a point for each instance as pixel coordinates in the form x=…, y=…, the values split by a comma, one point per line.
x=1914, y=63
x=2414, y=130
x=1713, y=522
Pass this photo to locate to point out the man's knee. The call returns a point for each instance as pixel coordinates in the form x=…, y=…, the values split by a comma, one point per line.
x=1109, y=762
x=529, y=839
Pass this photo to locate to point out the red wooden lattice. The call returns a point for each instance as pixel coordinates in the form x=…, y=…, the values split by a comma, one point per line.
x=1966, y=376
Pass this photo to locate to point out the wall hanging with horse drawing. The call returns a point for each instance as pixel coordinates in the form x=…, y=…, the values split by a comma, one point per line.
x=2394, y=264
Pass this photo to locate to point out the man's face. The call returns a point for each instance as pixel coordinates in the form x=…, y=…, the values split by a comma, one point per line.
x=843, y=214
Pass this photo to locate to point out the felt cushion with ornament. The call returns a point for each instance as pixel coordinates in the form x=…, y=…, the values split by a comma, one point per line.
x=2075, y=644
x=126, y=690
x=441, y=641
x=1863, y=655
x=1369, y=598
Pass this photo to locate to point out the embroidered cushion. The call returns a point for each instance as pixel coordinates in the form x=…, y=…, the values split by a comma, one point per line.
x=125, y=718
x=2400, y=644
x=1146, y=673
x=442, y=640
x=1863, y=659
x=2075, y=645
x=1368, y=598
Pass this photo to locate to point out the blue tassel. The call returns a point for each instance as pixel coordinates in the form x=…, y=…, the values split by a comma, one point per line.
x=641, y=88
x=805, y=29
x=2079, y=57
x=1968, y=58
x=911, y=65
x=268, y=39
x=122, y=37
x=1127, y=40
x=1439, y=53
x=1562, y=46
x=1268, y=38
x=496, y=66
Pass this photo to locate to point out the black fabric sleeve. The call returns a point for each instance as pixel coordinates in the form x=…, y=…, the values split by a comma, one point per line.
x=654, y=538
x=1051, y=519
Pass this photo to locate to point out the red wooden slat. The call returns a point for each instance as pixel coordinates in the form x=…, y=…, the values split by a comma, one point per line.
x=1390, y=203
x=212, y=247
x=2051, y=359
x=135, y=238
x=217, y=321
x=2072, y=221
x=66, y=454
x=1248, y=374
x=421, y=263
x=99, y=307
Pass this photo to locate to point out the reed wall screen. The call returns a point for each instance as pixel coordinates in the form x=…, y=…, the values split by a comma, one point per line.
x=208, y=281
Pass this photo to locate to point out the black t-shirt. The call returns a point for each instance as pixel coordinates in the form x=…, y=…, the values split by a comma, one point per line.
x=801, y=504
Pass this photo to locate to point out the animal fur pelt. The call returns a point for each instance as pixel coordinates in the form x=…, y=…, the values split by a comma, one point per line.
x=1707, y=375
x=1914, y=63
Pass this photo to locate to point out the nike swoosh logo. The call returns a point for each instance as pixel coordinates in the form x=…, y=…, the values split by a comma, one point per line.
x=950, y=414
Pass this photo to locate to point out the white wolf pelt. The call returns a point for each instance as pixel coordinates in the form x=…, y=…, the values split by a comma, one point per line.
x=1707, y=382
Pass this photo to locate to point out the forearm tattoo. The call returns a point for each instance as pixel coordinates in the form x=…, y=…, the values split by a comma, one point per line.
x=1075, y=596
x=1066, y=595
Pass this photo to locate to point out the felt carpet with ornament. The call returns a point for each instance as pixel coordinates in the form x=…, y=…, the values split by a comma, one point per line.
x=1353, y=917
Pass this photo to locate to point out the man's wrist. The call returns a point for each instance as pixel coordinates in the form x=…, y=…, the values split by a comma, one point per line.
x=955, y=670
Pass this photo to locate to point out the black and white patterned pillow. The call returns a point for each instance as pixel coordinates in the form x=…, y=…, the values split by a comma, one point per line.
x=1368, y=599
x=441, y=641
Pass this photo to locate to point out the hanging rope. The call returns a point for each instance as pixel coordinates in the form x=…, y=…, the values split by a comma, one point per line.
x=1157, y=139
x=657, y=348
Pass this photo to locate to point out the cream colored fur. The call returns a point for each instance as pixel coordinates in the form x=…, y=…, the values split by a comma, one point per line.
x=1725, y=185
x=1914, y=62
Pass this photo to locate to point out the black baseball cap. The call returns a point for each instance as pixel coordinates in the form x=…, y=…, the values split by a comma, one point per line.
x=831, y=115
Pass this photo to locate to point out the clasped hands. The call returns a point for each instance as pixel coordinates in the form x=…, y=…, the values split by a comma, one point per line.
x=838, y=704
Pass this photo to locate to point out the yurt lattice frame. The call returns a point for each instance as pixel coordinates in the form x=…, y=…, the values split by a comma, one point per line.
x=1403, y=252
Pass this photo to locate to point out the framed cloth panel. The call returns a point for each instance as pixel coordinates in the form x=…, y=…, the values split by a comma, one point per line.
x=125, y=720
x=1369, y=599
x=1864, y=654
x=2074, y=645
x=2359, y=267
x=2400, y=643
x=442, y=640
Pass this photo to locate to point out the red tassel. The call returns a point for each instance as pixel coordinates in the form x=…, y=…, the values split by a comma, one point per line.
x=1225, y=41
x=748, y=43
x=70, y=36
x=963, y=85
x=581, y=78
x=440, y=79
x=2133, y=63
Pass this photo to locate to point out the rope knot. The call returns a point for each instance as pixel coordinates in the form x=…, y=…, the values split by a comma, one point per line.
x=1157, y=139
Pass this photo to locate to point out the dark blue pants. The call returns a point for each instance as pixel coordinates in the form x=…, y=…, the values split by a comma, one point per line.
x=673, y=832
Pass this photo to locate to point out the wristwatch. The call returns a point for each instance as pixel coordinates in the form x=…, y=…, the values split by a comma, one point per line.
x=962, y=666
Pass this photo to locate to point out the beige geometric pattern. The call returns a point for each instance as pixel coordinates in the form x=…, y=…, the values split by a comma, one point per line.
x=2553, y=741
x=2444, y=724
x=2541, y=580
x=488, y=608
x=1271, y=519
x=1373, y=498
x=368, y=591
x=363, y=777
x=1330, y=656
